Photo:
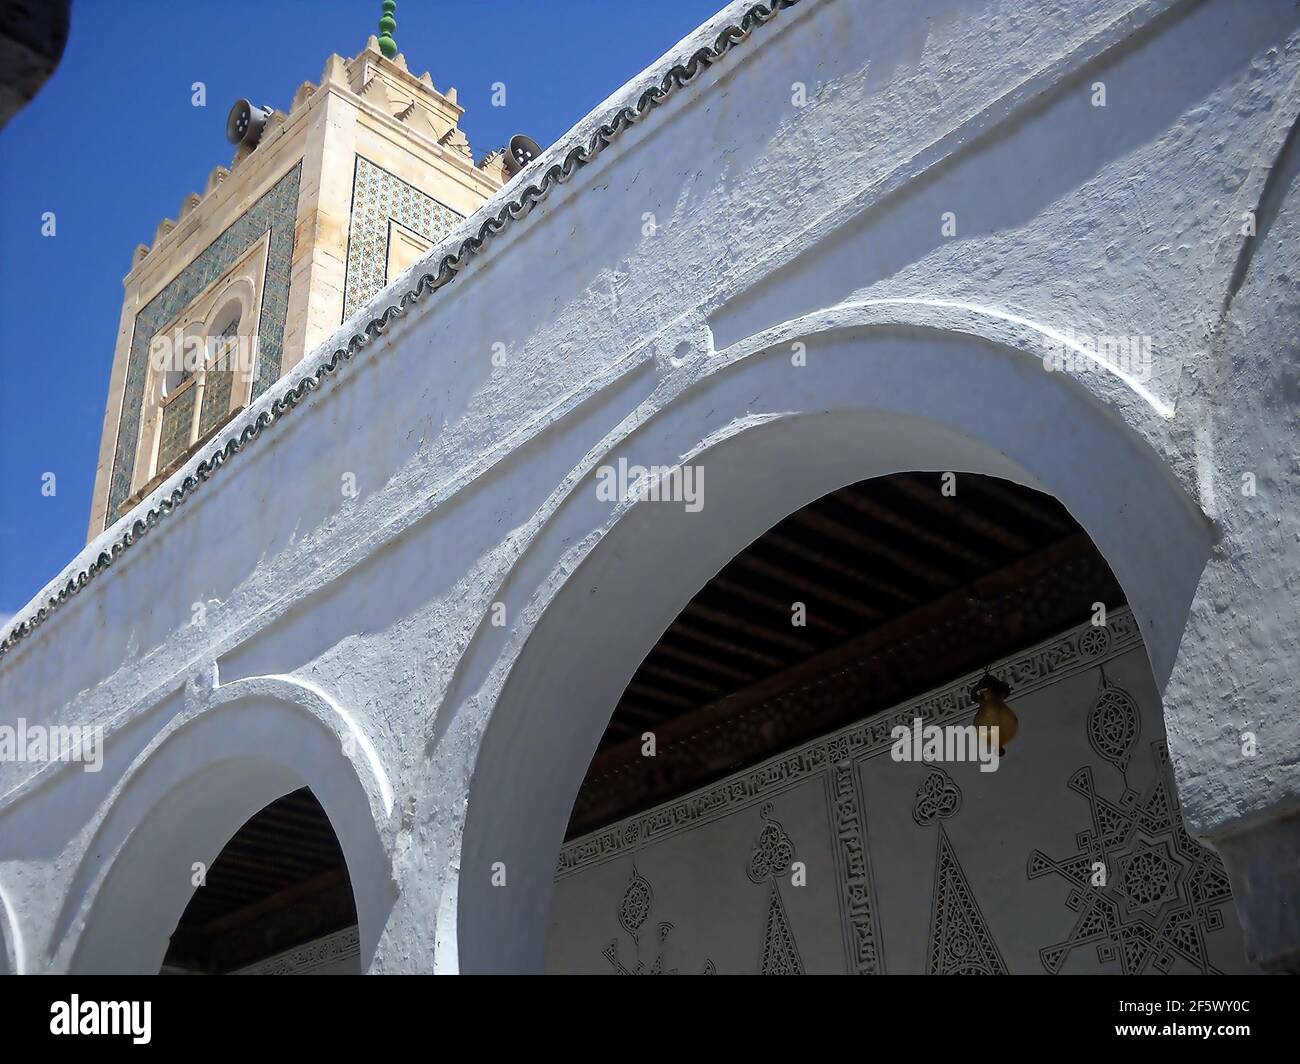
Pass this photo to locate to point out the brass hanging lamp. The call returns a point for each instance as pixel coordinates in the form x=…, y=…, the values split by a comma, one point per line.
x=990, y=694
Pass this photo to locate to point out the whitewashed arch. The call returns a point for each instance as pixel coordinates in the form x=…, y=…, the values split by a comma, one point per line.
x=916, y=391
x=11, y=946
x=207, y=772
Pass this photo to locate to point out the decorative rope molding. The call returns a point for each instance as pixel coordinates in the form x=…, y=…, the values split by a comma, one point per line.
x=679, y=76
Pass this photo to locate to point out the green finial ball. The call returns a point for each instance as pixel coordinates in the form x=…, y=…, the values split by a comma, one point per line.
x=386, y=26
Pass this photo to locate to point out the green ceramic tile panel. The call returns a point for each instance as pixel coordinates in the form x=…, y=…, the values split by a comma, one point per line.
x=216, y=399
x=177, y=419
x=377, y=198
x=277, y=211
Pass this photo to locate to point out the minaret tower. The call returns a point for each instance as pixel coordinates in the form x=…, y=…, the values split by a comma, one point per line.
x=323, y=203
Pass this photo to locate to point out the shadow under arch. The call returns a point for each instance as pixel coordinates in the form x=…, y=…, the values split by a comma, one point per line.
x=877, y=403
x=190, y=792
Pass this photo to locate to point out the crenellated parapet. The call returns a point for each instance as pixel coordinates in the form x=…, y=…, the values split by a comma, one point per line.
x=385, y=88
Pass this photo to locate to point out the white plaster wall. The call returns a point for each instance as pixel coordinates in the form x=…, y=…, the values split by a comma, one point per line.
x=473, y=479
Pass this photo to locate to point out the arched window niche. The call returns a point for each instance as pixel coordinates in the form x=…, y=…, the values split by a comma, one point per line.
x=201, y=367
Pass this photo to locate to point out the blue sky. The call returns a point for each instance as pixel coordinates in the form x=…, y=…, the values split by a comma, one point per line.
x=112, y=145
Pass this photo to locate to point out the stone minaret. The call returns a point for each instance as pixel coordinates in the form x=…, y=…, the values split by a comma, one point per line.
x=323, y=203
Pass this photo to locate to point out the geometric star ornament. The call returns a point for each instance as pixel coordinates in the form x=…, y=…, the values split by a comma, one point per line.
x=1146, y=892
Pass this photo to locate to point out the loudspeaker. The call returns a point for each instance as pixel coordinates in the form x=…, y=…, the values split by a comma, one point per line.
x=522, y=151
x=245, y=123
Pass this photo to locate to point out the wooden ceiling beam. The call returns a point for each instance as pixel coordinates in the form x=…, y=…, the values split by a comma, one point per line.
x=804, y=588
x=237, y=863
x=281, y=899
x=270, y=831
x=780, y=609
x=666, y=647
x=771, y=633
x=860, y=541
x=953, y=510
x=631, y=709
x=687, y=630
x=1045, y=592
x=825, y=563
x=1039, y=508
x=868, y=507
x=679, y=679
x=655, y=694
